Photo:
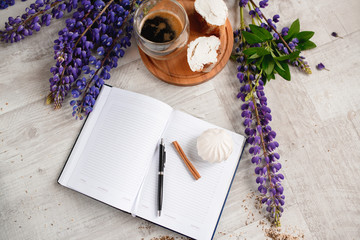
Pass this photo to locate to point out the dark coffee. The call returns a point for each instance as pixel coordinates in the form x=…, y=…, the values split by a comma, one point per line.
x=161, y=27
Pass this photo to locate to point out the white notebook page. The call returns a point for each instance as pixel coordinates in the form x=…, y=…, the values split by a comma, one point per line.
x=118, y=153
x=190, y=207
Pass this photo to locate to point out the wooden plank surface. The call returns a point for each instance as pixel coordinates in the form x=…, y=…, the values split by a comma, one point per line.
x=316, y=117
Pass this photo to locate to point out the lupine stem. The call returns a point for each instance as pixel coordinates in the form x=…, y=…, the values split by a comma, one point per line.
x=261, y=138
x=258, y=123
x=257, y=115
x=96, y=18
x=242, y=24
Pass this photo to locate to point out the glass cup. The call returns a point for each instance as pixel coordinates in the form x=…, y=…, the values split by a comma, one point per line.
x=161, y=50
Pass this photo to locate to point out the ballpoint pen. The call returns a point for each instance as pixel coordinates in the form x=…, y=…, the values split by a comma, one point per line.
x=162, y=159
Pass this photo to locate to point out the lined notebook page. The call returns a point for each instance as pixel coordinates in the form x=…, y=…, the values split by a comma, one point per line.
x=118, y=153
x=190, y=207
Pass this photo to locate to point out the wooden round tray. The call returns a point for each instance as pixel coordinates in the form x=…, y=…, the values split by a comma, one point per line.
x=176, y=70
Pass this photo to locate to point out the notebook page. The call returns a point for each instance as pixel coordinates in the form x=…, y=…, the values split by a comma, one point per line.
x=84, y=135
x=118, y=153
x=190, y=207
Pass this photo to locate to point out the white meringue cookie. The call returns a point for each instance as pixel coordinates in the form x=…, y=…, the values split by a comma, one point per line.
x=214, y=145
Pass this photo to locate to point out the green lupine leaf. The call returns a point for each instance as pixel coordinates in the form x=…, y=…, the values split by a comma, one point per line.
x=249, y=60
x=261, y=32
x=252, y=38
x=254, y=56
x=294, y=55
x=294, y=29
x=256, y=50
x=271, y=76
x=306, y=45
x=268, y=64
x=279, y=65
x=290, y=56
x=283, y=73
x=282, y=58
x=304, y=36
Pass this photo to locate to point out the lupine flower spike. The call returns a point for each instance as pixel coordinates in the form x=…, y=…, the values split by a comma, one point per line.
x=86, y=50
x=261, y=52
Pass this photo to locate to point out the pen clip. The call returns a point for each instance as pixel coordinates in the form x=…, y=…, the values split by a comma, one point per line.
x=164, y=156
x=163, y=151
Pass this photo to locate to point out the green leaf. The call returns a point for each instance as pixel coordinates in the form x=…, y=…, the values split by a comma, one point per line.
x=290, y=56
x=271, y=76
x=304, y=36
x=261, y=32
x=268, y=64
x=279, y=65
x=259, y=61
x=282, y=58
x=256, y=50
x=285, y=73
x=254, y=56
x=294, y=29
x=252, y=38
x=306, y=45
x=294, y=55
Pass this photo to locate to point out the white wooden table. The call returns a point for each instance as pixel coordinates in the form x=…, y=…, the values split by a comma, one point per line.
x=316, y=117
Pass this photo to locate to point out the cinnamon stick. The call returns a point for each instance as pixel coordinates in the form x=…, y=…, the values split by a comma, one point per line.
x=187, y=162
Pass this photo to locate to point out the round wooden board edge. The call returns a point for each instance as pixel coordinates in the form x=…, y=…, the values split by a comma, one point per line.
x=200, y=78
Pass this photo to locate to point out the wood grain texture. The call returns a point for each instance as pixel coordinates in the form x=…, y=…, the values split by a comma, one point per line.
x=316, y=117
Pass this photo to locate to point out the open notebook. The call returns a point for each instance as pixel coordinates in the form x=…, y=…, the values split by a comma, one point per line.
x=115, y=160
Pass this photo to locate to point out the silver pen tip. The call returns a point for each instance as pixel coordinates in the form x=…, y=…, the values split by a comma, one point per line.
x=159, y=213
x=162, y=141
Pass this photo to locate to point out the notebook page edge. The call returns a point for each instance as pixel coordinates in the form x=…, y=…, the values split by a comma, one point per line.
x=83, y=136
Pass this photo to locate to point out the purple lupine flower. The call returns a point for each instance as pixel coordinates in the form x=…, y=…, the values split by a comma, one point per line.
x=243, y=3
x=320, y=66
x=6, y=3
x=291, y=45
x=284, y=31
x=276, y=36
x=263, y=3
x=285, y=50
x=295, y=40
x=334, y=34
x=252, y=13
x=258, y=11
x=99, y=4
x=264, y=25
x=276, y=18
